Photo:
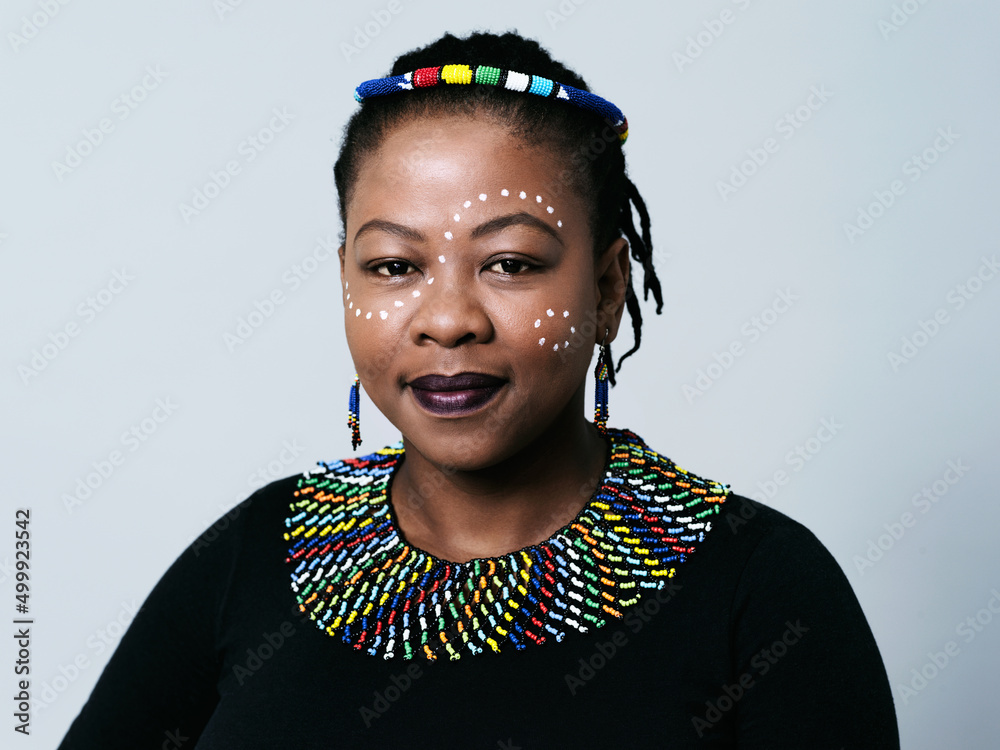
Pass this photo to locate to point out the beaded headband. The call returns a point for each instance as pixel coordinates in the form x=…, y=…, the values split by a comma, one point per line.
x=489, y=76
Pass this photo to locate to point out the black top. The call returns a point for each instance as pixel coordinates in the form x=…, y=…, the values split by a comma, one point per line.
x=757, y=642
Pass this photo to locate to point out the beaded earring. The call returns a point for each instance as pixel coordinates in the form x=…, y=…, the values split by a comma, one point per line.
x=601, y=389
x=353, y=412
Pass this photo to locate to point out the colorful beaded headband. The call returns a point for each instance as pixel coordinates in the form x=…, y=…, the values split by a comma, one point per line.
x=508, y=79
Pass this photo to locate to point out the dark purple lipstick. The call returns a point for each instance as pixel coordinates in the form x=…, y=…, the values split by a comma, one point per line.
x=455, y=394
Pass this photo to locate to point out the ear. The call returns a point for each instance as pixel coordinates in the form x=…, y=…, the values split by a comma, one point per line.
x=340, y=254
x=611, y=274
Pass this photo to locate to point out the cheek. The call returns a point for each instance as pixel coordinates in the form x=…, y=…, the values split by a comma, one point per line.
x=375, y=326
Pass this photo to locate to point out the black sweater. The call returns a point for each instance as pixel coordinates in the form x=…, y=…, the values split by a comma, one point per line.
x=757, y=642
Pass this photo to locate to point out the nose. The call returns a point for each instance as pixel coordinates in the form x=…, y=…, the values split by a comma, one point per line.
x=451, y=313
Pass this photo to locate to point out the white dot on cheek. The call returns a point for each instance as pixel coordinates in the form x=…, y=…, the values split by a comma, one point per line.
x=430, y=280
x=416, y=292
x=482, y=196
x=505, y=192
x=368, y=316
x=572, y=329
x=555, y=347
x=350, y=306
x=565, y=313
x=398, y=303
x=448, y=235
x=549, y=313
x=383, y=314
x=357, y=312
x=441, y=258
x=457, y=217
x=523, y=195
x=467, y=204
x=538, y=322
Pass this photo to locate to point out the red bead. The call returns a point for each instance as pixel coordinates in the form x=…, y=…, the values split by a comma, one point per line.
x=425, y=77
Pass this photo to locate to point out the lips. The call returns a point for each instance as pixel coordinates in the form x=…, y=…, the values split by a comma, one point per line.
x=455, y=394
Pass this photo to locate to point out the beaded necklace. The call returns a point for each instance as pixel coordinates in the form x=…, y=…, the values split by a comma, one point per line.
x=359, y=580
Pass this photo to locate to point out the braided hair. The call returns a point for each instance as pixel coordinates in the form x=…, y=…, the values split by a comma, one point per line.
x=589, y=144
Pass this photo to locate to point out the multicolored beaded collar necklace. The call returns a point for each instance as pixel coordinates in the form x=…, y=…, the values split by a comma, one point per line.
x=360, y=581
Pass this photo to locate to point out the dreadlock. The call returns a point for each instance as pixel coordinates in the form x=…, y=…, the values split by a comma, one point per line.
x=588, y=143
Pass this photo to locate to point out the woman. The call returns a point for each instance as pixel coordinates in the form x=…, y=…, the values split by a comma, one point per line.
x=510, y=574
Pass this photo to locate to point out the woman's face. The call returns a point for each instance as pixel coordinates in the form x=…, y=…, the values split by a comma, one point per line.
x=463, y=258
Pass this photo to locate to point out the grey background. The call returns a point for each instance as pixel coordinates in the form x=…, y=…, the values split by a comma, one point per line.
x=723, y=262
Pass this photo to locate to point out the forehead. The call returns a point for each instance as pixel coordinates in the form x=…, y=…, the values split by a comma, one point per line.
x=436, y=163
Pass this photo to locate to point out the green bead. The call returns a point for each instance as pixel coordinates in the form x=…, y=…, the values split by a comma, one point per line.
x=487, y=75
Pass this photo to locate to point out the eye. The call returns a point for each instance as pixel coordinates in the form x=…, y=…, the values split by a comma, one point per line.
x=510, y=265
x=393, y=268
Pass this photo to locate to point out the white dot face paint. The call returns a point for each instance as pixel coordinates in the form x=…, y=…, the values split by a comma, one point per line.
x=505, y=192
x=523, y=195
x=538, y=199
x=541, y=341
x=549, y=312
x=549, y=209
x=430, y=280
x=350, y=306
x=457, y=217
x=565, y=344
x=559, y=223
x=398, y=303
x=482, y=196
x=565, y=313
x=357, y=312
x=448, y=235
x=416, y=292
x=555, y=347
x=467, y=204
x=572, y=329
x=442, y=258
x=538, y=322
x=368, y=316
x=383, y=314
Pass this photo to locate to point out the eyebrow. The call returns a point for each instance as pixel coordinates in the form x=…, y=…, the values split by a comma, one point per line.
x=490, y=227
x=510, y=220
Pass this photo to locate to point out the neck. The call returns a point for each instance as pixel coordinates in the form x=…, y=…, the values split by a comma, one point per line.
x=520, y=501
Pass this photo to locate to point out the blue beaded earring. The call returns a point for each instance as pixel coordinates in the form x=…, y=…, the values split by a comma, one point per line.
x=601, y=388
x=354, y=413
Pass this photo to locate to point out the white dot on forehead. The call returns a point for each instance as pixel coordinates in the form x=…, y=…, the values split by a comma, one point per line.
x=441, y=258
x=467, y=204
x=541, y=341
x=457, y=217
x=559, y=223
x=523, y=195
x=505, y=192
x=538, y=322
x=538, y=199
x=448, y=235
x=549, y=209
x=383, y=314
x=565, y=313
x=398, y=303
x=482, y=196
x=549, y=312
